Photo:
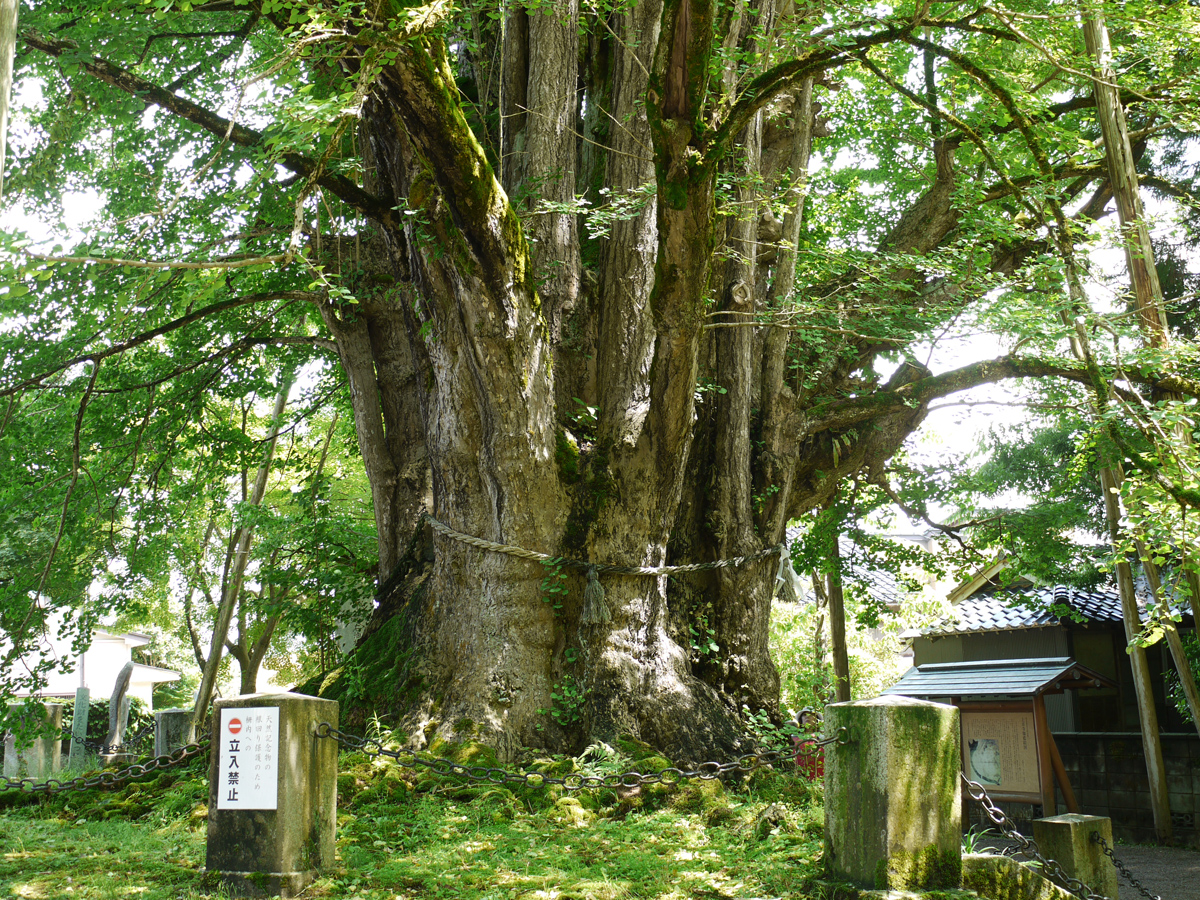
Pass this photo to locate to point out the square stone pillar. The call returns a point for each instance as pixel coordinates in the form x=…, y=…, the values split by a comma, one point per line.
x=171, y=728
x=893, y=811
x=272, y=802
x=77, y=757
x=44, y=756
x=1068, y=839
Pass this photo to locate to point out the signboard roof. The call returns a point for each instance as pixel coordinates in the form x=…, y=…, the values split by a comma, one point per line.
x=995, y=679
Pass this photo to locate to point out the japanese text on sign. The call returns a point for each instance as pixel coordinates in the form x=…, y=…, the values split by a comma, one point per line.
x=1000, y=751
x=249, y=758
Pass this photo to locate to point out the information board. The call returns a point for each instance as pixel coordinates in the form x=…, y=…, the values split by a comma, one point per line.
x=1000, y=751
x=249, y=758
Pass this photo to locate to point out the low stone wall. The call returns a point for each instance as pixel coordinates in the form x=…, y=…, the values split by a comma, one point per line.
x=1108, y=772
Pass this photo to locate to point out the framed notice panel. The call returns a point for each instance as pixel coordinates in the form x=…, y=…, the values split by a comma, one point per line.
x=1000, y=751
x=249, y=758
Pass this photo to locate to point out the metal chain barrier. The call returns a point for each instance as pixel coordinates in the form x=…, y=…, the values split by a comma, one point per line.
x=105, y=779
x=1122, y=868
x=706, y=771
x=1026, y=846
x=599, y=568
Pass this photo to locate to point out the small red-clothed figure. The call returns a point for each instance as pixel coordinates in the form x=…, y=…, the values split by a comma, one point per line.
x=810, y=756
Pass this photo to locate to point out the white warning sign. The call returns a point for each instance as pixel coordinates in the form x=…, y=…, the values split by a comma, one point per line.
x=249, y=758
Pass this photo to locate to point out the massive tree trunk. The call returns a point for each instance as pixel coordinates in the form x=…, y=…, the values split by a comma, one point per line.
x=530, y=444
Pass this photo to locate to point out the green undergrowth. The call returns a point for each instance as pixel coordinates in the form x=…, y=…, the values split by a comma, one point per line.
x=411, y=833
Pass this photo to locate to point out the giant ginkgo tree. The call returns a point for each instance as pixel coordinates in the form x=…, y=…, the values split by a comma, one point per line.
x=626, y=284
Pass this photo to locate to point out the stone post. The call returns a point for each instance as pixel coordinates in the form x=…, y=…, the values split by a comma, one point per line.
x=44, y=756
x=12, y=761
x=893, y=811
x=272, y=804
x=78, y=755
x=171, y=727
x=1068, y=839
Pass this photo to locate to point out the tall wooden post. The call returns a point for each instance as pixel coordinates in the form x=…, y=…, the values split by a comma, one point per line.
x=1156, y=770
x=837, y=624
x=1045, y=764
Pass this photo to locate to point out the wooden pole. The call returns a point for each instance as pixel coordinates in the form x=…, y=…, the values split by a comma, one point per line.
x=1139, y=252
x=1143, y=686
x=1060, y=773
x=837, y=624
x=1123, y=178
x=1045, y=764
x=1186, y=679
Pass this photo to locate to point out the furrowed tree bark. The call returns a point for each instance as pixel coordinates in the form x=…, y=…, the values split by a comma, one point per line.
x=483, y=636
x=780, y=428
x=639, y=675
x=742, y=609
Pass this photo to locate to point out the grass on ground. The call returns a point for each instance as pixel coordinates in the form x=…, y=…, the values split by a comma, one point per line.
x=405, y=834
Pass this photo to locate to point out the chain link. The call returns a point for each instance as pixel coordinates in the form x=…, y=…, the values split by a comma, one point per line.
x=706, y=771
x=105, y=779
x=1027, y=847
x=1122, y=868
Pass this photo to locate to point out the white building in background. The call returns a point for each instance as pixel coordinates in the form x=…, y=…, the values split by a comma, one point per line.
x=97, y=667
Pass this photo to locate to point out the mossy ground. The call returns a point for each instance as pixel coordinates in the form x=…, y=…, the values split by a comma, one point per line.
x=413, y=834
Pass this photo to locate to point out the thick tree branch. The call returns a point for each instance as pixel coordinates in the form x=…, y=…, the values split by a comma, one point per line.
x=788, y=76
x=1169, y=188
x=124, y=80
x=145, y=336
x=844, y=413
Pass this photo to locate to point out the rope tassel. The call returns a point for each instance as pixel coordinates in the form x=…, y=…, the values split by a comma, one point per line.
x=595, y=610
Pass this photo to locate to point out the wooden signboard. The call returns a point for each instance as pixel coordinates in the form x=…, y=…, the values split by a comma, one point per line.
x=1007, y=747
x=999, y=750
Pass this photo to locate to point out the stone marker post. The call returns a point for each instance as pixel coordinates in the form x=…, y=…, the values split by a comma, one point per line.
x=44, y=757
x=78, y=754
x=893, y=812
x=171, y=727
x=1068, y=839
x=272, y=799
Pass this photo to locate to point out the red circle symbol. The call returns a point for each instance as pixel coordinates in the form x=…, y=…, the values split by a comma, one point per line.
x=235, y=725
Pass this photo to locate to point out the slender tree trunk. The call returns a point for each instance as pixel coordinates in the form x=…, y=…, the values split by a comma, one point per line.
x=1163, y=603
x=1123, y=177
x=249, y=654
x=233, y=583
x=1151, y=744
x=8, y=46
x=1148, y=303
x=1135, y=234
x=821, y=600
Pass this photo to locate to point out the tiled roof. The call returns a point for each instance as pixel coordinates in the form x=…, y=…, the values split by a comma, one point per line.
x=882, y=585
x=1034, y=608
x=996, y=678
